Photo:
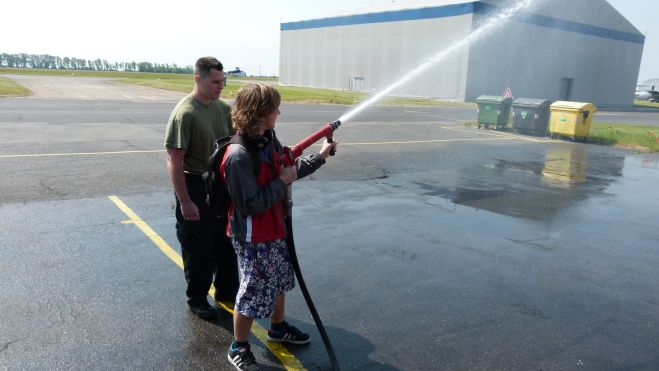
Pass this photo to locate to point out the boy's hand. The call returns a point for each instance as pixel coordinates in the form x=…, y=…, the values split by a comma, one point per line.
x=288, y=174
x=327, y=148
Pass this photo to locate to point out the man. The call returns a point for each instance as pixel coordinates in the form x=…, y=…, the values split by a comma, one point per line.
x=196, y=122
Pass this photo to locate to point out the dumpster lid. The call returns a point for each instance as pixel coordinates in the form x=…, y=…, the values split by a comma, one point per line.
x=577, y=106
x=493, y=99
x=528, y=102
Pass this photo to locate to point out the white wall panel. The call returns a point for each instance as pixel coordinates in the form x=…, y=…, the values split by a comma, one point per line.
x=381, y=53
x=586, y=40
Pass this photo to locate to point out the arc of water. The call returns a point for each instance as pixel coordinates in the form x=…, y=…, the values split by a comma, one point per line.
x=499, y=19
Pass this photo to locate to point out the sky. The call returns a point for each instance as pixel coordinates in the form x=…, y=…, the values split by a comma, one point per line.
x=241, y=34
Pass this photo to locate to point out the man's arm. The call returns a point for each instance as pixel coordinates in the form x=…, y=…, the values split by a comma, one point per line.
x=175, y=170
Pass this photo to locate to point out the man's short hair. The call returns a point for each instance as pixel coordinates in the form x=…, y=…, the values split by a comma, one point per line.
x=205, y=64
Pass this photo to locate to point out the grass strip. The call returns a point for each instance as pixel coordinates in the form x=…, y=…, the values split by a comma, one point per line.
x=631, y=136
x=8, y=88
x=640, y=137
x=646, y=104
x=291, y=94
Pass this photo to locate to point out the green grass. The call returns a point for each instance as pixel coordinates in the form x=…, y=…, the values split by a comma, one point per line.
x=257, y=78
x=640, y=137
x=184, y=83
x=48, y=72
x=644, y=103
x=611, y=133
x=310, y=95
x=9, y=88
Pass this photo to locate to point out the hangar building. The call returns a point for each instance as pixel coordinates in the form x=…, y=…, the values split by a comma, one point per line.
x=581, y=50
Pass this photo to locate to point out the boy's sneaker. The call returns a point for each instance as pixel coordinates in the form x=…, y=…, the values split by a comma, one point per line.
x=243, y=359
x=288, y=334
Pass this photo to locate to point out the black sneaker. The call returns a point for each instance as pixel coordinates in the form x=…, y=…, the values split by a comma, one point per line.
x=290, y=334
x=202, y=309
x=243, y=359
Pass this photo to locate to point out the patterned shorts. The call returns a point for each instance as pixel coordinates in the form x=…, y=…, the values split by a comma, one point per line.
x=265, y=271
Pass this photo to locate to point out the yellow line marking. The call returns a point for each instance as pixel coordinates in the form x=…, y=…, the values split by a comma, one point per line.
x=499, y=134
x=287, y=359
x=420, y=141
x=81, y=153
x=153, y=236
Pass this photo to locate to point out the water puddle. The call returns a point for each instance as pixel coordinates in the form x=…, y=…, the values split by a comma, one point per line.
x=539, y=189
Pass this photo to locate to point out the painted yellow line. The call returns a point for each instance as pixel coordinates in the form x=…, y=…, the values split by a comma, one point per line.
x=142, y=226
x=287, y=359
x=81, y=153
x=499, y=134
x=421, y=141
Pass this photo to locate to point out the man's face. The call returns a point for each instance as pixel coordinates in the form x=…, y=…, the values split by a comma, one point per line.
x=211, y=86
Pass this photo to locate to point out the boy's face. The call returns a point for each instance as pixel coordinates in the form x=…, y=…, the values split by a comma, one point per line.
x=269, y=122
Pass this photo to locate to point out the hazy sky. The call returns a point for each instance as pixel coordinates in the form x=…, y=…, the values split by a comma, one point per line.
x=240, y=33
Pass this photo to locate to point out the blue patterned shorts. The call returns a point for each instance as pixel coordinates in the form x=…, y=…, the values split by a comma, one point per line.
x=265, y=272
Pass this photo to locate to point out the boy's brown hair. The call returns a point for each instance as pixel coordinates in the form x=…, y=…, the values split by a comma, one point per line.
x=253, y=103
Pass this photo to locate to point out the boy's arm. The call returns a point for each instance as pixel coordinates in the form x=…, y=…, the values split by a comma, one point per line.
x=309, y=164
x=245, y=193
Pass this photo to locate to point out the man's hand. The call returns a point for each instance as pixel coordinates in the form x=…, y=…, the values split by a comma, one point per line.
x=190, y=211
x=175, y=169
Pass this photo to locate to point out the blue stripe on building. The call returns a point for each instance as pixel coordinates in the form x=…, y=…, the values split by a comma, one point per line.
x=586, y=29
x=463, y=9
x=564, y=25
x=393, y=16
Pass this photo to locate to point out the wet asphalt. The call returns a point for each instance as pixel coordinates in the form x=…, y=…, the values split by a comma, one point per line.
x=426, y=245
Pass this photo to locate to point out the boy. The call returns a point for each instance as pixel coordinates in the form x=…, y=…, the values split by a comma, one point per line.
x=256, y=219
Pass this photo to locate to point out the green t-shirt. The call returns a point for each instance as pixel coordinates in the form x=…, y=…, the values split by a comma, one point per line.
x=195, y=128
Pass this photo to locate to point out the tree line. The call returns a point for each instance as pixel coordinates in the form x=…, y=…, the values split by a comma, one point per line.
x=45, y=61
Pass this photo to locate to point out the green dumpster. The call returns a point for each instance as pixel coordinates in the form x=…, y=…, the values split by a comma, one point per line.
x=531, y=116
x=493, y=110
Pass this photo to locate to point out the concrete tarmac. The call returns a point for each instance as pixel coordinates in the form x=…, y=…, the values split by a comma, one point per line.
x=424, y=244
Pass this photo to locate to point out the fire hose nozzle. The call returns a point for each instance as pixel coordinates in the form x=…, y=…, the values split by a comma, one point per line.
x=335, y=124
x=325, y=132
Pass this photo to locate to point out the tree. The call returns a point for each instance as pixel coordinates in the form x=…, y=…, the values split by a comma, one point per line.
x=24, y=60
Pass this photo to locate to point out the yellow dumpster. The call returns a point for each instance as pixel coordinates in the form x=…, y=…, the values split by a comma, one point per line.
x=571, y=119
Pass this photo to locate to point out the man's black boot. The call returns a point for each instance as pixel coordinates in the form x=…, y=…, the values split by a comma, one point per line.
x=202, y=309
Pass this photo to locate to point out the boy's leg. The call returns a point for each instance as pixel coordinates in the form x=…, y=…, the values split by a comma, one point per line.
x=240, y=354
x=279, y=311
x=280, y=330
x=241, y=327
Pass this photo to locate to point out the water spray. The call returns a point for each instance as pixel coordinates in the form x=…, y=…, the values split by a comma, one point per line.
x=499, y=19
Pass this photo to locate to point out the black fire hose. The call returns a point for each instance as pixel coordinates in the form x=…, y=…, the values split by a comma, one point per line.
x=303, y=287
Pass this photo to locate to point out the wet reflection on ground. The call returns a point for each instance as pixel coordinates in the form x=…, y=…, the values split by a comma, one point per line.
x=535, y=189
